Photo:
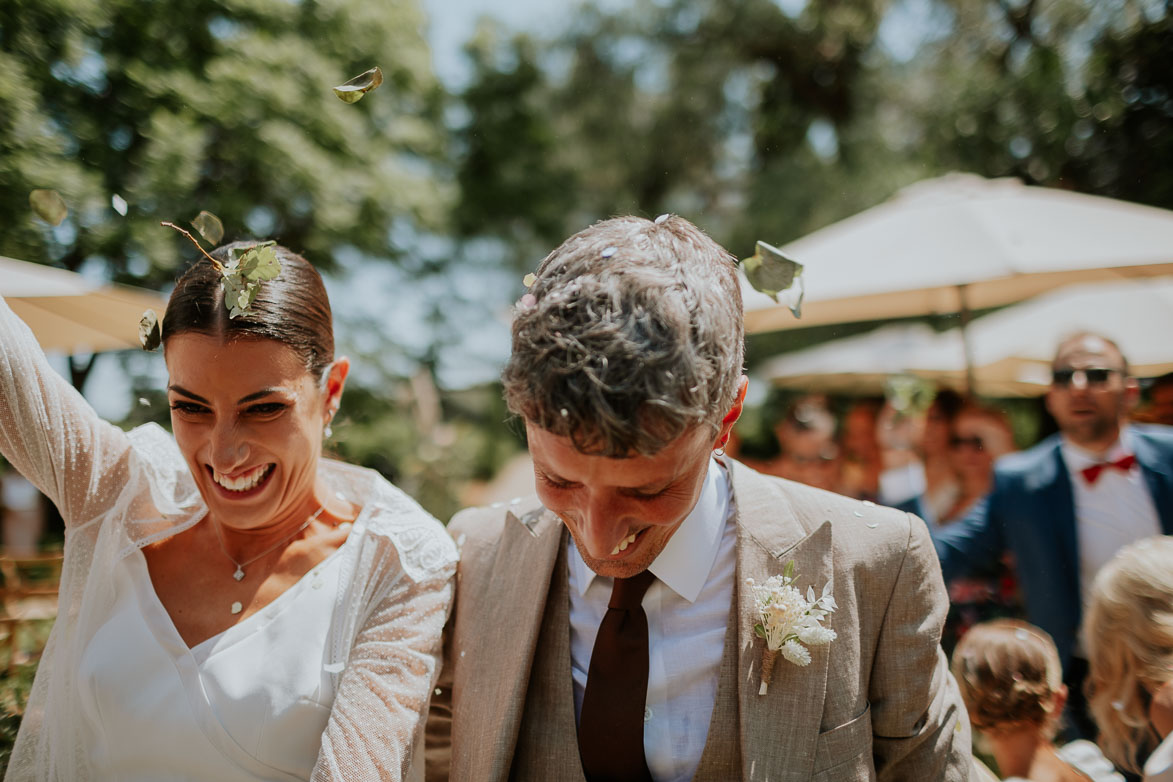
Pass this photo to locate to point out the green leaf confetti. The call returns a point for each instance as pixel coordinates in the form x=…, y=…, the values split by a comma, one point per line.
x=771, y=272
x=209, y=227
x=241, y=278
x=150, y=330
x=49, y=206
x=354, y=90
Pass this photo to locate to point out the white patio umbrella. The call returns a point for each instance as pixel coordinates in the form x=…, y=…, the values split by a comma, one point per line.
x=69, y=313
x=961, y=243
x=1011, y=348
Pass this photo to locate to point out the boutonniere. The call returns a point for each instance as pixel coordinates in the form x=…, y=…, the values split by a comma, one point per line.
x=789, y=622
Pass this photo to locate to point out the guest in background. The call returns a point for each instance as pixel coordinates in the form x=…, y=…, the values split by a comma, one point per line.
x=806, y=438
x=1159, y=408
x=1065, y=506
x=860, y=451
x=1012, y=685
x=917, y=474
x=1128, y=634
x=978, y=436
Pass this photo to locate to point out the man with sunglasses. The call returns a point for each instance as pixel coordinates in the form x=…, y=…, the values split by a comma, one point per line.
x=1065, y=506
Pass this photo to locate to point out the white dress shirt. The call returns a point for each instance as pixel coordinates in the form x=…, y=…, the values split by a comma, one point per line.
x=1113, y=512
x=688, y=609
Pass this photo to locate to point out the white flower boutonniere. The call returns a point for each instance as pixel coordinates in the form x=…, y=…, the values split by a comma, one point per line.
x=787, y=620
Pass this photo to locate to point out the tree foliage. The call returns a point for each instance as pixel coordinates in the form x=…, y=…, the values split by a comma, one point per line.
x=766, y=120
x=224, y=105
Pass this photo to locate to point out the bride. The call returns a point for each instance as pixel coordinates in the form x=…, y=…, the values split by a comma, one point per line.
x=233, y=606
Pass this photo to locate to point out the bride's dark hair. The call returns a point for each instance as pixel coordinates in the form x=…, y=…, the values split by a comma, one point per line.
x=292, y=309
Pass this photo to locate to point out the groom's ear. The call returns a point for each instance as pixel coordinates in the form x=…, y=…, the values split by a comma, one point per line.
x=734, y=412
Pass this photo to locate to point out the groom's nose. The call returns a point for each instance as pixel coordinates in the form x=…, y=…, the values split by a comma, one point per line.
x=602, y=525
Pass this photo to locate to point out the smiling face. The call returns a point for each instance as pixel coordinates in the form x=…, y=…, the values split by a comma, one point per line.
x=1088, y=412
x=248, y=418
x=621, y=512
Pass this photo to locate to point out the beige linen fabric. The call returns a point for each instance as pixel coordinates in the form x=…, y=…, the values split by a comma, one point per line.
x=877, y=703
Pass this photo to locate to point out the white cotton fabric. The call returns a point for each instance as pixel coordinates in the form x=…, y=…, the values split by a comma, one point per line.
x=1086, y=758
x=120, y=491
x=1111, y=513
x=687, y=607
x=1159, y=766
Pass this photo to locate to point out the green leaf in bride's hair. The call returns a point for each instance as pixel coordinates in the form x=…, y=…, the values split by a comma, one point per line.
x=238, y=294
x=771, y=272
x=209, y=227
x=48, y=205
x=354, y=90
x=150, y=332
x=259, y=263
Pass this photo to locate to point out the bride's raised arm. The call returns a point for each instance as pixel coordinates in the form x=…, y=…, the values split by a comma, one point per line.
x=50, y=433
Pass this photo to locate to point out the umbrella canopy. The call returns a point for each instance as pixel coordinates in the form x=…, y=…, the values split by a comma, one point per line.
x=69, y=313
x=1011, y=348
x=962, y=242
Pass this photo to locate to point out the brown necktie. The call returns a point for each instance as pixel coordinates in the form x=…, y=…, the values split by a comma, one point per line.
x=611, y=724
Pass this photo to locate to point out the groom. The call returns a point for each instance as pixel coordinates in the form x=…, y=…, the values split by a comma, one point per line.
x=607, y=633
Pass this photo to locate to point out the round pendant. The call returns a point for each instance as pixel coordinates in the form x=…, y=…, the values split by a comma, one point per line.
x=239, y=574
x=237, y=607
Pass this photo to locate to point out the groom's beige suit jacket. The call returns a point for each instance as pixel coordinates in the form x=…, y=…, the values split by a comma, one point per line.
x=876, y=703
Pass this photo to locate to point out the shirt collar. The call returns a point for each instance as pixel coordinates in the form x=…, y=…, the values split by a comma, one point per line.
x=1077, y=458
x=687, y=559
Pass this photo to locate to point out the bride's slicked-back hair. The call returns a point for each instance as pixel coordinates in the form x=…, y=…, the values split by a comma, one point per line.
x=292, y=309
x=634, y=337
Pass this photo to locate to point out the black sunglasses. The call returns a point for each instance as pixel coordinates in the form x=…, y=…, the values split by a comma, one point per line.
x=1091, y=377
x=974, y=442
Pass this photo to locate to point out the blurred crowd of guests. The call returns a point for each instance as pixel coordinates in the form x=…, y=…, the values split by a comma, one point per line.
x=1071, y=535
x=936, y=462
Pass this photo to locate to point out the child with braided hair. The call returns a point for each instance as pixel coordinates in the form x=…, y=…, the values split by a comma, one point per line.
x=1012, y=684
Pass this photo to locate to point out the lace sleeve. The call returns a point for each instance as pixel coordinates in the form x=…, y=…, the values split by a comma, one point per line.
x=377, y=720
x=51, y=434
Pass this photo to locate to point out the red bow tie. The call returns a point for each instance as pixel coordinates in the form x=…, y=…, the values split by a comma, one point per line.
x=1092, y=474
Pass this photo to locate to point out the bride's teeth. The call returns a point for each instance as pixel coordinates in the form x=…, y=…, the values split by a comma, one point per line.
x=245, y=482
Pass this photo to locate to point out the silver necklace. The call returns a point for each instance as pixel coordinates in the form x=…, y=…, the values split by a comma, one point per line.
x=239, y=573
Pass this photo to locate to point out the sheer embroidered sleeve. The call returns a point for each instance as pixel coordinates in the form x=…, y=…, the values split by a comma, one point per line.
x=51, y=434
x=376, y=725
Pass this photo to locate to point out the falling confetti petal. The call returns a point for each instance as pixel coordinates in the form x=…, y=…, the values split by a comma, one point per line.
x=209, y=227
x=354, y=90
x=772, y=273
x=150, y=334
x=48, y=205
x=529, y=280
x=119, y=204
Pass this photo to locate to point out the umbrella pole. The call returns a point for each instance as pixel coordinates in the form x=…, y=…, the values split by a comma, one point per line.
x=966, y=316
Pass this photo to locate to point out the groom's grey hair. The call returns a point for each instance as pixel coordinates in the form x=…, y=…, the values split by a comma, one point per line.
x=630, y=336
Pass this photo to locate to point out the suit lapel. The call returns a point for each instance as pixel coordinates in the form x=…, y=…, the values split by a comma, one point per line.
x=779, y=729
x=505, y=638
x=1158, y=478
x=1056, y=500
x=547, y=745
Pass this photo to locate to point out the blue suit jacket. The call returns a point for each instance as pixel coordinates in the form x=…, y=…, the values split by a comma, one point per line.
x=1031, y=512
